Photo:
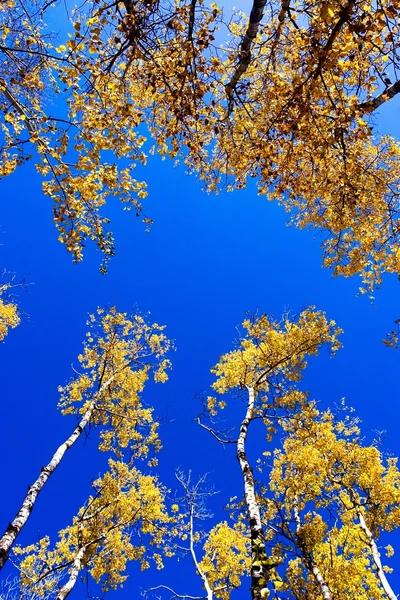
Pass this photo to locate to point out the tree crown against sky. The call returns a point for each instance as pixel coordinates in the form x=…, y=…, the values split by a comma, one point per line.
x=129, y=69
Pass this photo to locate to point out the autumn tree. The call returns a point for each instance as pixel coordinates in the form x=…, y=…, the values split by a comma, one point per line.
x=119, y=356
x=332, y=498
x=125, y=520
x=315, y=503
x=312, y=512
x=322, y=68
x=220, y=555
x=92, y=75
x=289, y=99
x=268, y=361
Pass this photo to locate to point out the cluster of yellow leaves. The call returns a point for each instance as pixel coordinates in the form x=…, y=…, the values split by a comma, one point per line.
x=327, y=496
x=321, y=70
x=271, y=349
x=324, y=482
x=226, y=559
x=112, y=75
x=313, y=149
x=9, y=317
x=123, y=521
x=118, y=357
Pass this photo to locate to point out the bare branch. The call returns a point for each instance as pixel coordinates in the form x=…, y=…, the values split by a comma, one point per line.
x=213, y=432
x=154, y=591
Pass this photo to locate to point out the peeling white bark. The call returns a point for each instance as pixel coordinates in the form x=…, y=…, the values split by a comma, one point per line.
x=15, y=527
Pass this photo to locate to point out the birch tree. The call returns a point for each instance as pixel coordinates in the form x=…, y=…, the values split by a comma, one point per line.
x=126, y=520
x=314, y=508
x=220, y=556
x=118, y=357
x=269, y=359
x=332, y=498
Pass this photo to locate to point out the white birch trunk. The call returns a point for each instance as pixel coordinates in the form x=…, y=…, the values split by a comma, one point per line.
x=14, y=528
x=376, y=558
x=256, y=530
x=195, y=561
x=73, y=576
x=309, y=560
x=320, y=580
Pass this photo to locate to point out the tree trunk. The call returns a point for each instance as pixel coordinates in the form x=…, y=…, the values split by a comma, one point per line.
x=255, y=18
x=376, y=558
x=260, y=563
x=203, y=576
x=308, y=558
x=76, y=567
x=15, y=527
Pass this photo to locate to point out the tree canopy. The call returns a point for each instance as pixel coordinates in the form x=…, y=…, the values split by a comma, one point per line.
x=288, y=96
x=128, y=70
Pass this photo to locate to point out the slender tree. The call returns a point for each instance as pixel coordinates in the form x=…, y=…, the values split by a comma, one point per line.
x=268, y=360
x=224, y=557
x=125, y=520
x=118, y=356
x=323, y=498
x=332, y=497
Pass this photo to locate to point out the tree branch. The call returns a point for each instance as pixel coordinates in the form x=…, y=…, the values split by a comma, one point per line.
x=389, y=93
x=344, y=15
x=213, y=433
x=174, y=594
x=256, y=15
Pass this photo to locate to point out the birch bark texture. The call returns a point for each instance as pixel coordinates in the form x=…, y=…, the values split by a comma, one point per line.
x=376, y=558
x=15, y=527
x=259, y=571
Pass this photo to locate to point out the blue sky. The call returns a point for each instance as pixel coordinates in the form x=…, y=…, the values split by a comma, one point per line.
x=206, y=261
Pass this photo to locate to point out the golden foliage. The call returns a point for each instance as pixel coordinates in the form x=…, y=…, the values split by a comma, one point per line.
x=9, y=313
x=125, y=520
x=270, y=349
x=119, y=355
x=141, y=68
x=8, y=317
x=326, y=484
x=226, y=559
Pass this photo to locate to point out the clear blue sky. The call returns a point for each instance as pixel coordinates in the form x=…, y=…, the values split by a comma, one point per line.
x=206, y=261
